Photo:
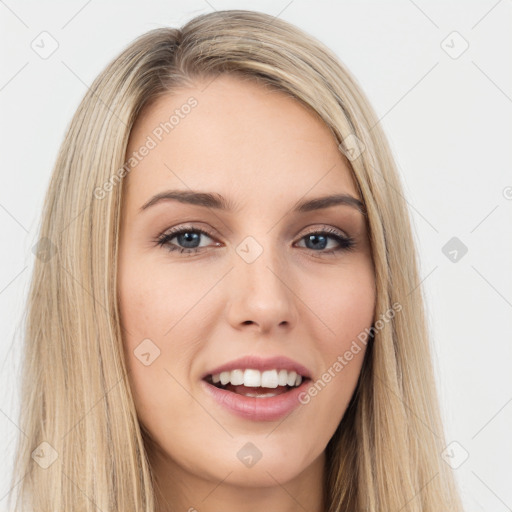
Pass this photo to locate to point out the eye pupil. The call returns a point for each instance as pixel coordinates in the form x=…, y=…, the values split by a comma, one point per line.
x=322, y=243
x=188, y=237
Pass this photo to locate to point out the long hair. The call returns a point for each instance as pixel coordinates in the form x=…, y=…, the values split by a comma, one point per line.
x=84, y=448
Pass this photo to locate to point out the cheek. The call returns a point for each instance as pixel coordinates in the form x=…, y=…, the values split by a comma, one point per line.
x=161, y=315
x=153, y=298
x=344, y=307
x=146, y=315
x=343, y=304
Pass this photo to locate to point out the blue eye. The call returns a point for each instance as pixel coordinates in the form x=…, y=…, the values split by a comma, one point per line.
x=189, y=239
x=320, y=239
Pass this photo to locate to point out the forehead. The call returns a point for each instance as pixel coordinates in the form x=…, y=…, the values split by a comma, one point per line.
x=239, y=139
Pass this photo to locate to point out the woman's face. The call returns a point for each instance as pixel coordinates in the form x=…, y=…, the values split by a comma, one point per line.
x=265, y=281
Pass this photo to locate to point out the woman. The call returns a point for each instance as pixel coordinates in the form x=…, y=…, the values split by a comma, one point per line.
x=227, y=314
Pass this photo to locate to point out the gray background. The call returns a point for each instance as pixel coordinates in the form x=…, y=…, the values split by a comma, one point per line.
x=447, y=112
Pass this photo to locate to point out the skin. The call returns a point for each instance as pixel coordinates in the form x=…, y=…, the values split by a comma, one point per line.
x=264, y=151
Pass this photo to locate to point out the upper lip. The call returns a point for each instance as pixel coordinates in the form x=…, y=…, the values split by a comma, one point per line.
x=261, y=364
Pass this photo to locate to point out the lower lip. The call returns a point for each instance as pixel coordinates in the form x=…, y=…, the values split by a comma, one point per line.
x=257, y=409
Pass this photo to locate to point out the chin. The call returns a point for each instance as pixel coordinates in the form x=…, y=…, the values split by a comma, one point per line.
x=258, y=463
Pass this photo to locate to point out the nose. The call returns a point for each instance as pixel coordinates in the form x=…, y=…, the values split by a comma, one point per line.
x=261, y=293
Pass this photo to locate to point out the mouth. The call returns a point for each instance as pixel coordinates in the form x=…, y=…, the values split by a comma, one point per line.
x=253, y=383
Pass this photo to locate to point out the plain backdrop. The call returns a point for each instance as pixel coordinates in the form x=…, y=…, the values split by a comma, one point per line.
x=438, y=74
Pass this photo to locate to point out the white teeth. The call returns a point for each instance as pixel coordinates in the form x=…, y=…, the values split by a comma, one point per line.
x=269, y=379
x=237, y=377
x=291, y=378
x=254, y=378
x=282, y=378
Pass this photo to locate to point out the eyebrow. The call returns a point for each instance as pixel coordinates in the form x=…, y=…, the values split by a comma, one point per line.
x=219, y=202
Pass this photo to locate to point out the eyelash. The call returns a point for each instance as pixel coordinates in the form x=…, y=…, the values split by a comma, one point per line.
x=346, y=243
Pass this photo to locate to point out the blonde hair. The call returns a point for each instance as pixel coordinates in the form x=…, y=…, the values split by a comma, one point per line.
x=75, y=396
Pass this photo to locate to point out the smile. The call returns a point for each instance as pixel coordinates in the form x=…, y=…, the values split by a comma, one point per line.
x=256, y=384
x=257, y=395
